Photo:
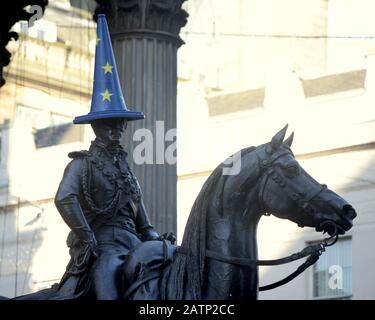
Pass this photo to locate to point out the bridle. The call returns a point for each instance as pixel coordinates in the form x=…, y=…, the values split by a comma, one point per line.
x=303, y=201
x=312, y=251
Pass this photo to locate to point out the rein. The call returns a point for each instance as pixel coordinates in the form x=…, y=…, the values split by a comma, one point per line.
x=313, y=253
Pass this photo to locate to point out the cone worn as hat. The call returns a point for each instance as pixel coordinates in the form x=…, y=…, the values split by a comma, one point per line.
x=107, y=99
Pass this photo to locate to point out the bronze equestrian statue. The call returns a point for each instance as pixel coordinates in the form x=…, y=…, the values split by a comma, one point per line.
x=117, y=254
x=217, y=258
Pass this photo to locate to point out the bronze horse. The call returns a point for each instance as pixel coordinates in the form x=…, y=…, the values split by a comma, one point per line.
x=224, y=218
x=218, y=255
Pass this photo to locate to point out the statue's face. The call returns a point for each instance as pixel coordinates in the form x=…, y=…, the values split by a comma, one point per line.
x=110, y=131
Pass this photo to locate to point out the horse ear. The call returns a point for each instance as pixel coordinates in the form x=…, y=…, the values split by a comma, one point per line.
x=278, y=138
x=289, y=141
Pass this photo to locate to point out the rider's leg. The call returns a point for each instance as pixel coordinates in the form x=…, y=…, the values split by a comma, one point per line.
x=106, y=276
x=114, y=244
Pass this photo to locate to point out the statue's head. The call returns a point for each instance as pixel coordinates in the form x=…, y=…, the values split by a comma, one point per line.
x=110, y=130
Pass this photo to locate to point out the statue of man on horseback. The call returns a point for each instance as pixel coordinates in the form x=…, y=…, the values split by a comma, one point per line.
x=112, y=244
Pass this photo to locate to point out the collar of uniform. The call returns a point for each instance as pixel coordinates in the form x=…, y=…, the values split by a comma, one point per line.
x=110, y=150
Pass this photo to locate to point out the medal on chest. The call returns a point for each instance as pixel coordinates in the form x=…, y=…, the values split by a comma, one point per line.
x=116, y=171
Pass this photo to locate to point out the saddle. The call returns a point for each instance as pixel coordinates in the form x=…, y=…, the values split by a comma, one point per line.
x=143, y=267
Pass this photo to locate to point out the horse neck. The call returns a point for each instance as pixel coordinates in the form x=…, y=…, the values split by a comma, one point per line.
x=232, y=234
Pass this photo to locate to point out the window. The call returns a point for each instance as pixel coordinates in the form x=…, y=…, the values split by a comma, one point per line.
x=40, y=34
x=57, y=119
x=28, y=115
x=24, y=27
x=332, y=273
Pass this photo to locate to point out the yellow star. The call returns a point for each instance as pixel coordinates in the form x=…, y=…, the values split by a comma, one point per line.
x=107, y=68
x=106, y=95
x=97, y=39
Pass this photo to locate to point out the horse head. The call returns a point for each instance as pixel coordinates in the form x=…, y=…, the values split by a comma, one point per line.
x=271, y=181
x=288, y=191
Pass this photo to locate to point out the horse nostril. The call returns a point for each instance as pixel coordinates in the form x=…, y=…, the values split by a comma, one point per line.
x=349, y=211
x=352, y=214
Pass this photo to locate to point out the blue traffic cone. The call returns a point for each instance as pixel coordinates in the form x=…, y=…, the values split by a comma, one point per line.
x=107, y=98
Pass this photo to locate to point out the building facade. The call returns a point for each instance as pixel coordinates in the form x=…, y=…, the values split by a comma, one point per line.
x=49, y=82
x=249, y=68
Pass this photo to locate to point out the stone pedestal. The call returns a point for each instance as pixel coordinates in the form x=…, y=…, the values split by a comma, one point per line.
x=145, y=42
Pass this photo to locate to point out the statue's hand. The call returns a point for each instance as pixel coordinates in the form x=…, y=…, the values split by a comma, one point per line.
x=92, y=245
x=87, y=252
x=150, y=234
x=168, y=236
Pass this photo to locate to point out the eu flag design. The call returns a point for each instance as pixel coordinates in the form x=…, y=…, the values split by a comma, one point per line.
x=107, y=98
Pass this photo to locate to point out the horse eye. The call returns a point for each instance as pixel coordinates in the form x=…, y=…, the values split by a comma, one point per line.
x=292, y=169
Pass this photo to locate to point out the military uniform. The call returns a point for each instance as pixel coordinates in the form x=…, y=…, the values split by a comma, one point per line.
x=100, y=200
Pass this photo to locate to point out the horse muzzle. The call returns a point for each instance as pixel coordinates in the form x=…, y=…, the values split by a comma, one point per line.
x=338, y=223
x=337, y=217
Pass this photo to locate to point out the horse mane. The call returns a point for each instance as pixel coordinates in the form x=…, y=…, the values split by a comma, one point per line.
x=187, y=271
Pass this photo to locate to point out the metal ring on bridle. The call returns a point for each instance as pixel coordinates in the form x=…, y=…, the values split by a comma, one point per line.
x=334, y=236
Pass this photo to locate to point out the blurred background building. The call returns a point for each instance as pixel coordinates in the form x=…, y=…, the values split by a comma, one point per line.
x=249, y=68
x=48, y=82
x=246, y=69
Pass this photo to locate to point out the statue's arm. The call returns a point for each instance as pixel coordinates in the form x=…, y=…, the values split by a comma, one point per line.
x=142, y=221
x=144, y=226
x=67, y=203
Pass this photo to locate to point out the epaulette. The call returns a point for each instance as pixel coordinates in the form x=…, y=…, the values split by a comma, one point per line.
x=79, y=154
